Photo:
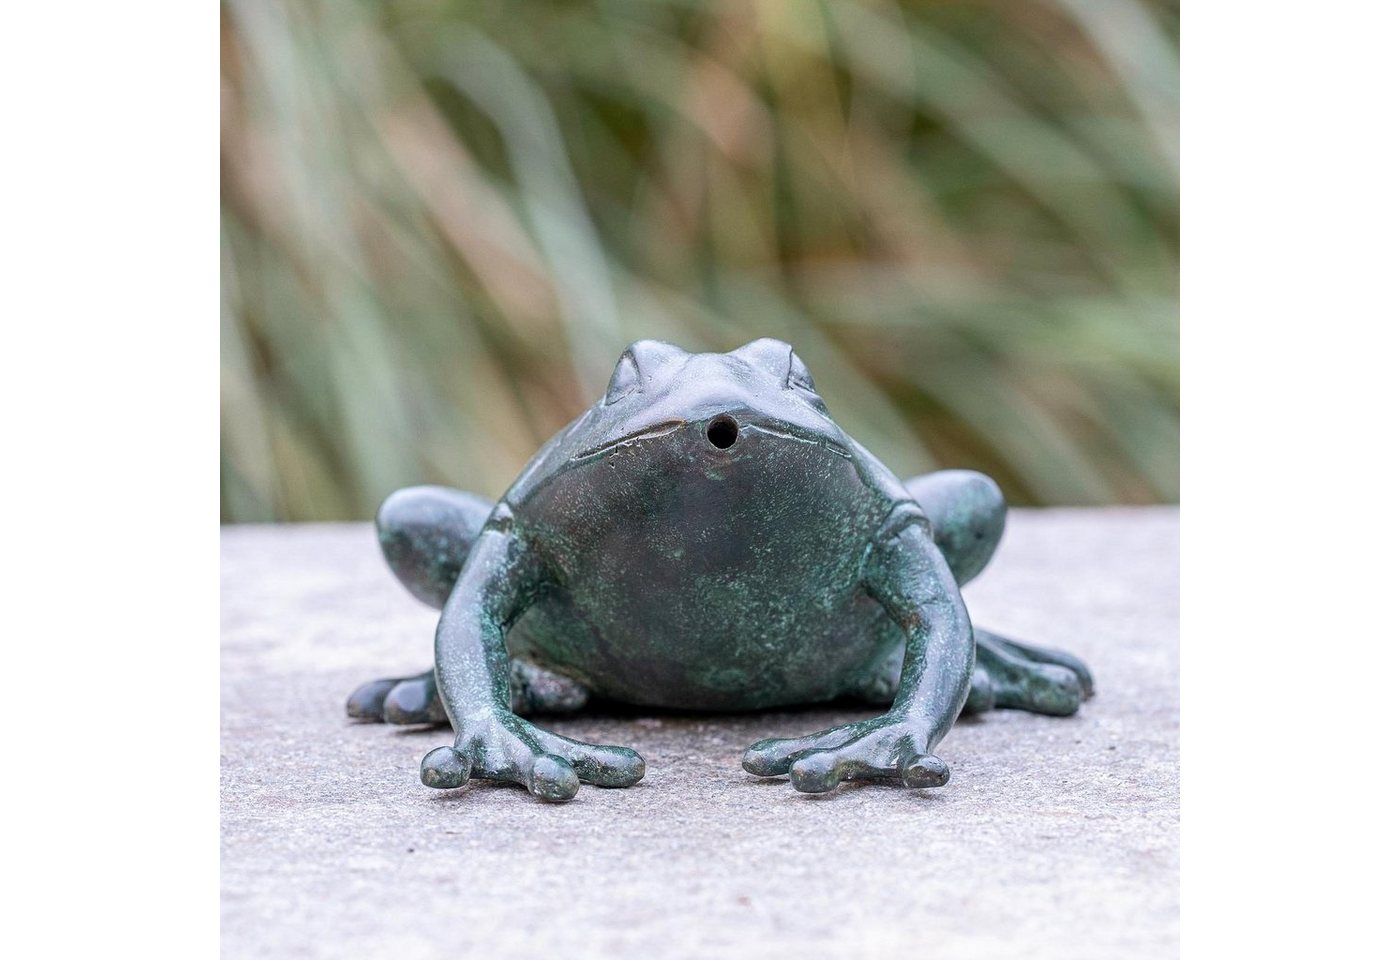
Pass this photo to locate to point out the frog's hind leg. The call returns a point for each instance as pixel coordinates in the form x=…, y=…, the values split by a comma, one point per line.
x=968, y=515
x=414, y=700
x=878, y=685
x=1044, y=655
x=1023, y=677
x=1007, y=674
x=426, y=534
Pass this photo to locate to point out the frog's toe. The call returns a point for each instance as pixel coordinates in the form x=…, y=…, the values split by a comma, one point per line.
x=552, y=779
x=602, y=766
x=367, y=702
x=555, y=775
x=534, y=689
x=397, y=700
x=1059, y=658
x=980, y=696
x=869, y=759
x=545, y=775
x=414, y=701
x=1027, y=677
x=1046, y=688
x=924, y=770
x=1056, y=690
x=548, y=765
x=818, y=772
x=445, y=769
x=775, y=757
x=888, y=749
x=1031, y=678
x=767, y=759
x=1082, y=676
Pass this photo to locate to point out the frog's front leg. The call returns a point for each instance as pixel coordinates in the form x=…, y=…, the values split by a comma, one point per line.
x=907, y=573
x=496, y=587
x=426, y=534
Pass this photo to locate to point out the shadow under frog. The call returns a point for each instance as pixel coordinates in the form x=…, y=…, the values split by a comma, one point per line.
x=706, y=537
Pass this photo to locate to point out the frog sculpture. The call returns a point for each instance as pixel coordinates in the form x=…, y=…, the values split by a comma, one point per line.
x=705, y=537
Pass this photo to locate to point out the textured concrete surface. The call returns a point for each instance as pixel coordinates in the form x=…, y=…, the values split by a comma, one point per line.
x=1055, y=838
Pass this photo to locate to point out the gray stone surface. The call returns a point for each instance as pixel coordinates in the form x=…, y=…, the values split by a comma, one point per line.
x=1055, y=838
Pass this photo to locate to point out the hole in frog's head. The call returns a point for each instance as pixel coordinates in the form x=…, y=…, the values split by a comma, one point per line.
x=722, y=432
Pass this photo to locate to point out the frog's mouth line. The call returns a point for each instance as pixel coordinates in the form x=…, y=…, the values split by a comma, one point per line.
x=722, y=432
x=800, y=438
x=646, y=433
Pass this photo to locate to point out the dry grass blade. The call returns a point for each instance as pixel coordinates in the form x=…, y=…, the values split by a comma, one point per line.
x=442, y=223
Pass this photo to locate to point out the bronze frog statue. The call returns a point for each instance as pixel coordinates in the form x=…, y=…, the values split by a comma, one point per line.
x=705, y=537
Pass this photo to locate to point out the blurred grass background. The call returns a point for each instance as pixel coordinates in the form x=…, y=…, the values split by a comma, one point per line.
x=442, y=221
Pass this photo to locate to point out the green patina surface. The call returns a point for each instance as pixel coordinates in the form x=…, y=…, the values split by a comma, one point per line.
x=706, y=537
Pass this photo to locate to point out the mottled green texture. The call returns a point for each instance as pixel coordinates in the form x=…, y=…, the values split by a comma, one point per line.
x=705, y=537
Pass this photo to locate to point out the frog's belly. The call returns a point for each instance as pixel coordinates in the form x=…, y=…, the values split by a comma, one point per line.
x=714, y=610
x=687, y=651
x=707, y=581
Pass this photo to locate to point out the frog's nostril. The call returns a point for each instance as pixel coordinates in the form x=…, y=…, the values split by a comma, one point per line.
x=722, y=432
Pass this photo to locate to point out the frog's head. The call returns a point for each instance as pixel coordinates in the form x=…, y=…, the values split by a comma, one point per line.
x=726, y=404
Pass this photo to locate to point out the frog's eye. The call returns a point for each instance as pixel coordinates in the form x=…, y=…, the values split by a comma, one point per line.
x=800, y=379
x=798, y=375
x=780, y=361
x=771, y=356
x=625, y=380
x=641, y=362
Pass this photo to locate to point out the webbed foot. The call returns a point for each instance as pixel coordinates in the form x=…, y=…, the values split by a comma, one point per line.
x=414, y=700
x=506, y=748
x=886, y=749
x=1023, y=677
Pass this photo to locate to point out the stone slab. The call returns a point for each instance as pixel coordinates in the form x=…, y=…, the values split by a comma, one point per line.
x=1055, y=837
